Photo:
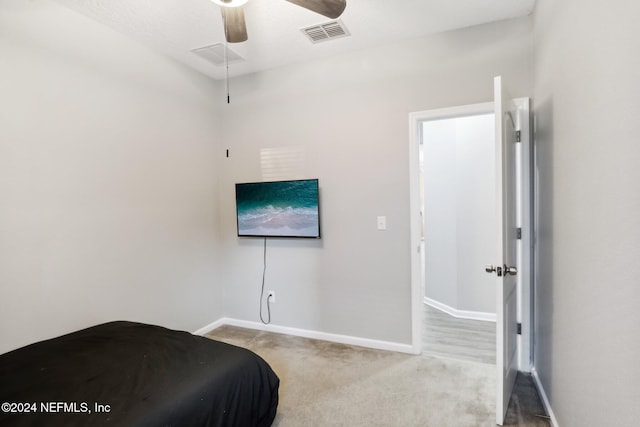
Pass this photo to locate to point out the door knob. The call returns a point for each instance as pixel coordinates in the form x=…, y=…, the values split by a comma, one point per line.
x=492, y=269
x=510, y=270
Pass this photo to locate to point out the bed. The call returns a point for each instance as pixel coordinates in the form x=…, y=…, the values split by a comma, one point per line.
x=133, y=374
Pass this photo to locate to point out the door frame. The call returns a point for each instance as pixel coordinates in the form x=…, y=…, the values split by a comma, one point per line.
x=525, y=252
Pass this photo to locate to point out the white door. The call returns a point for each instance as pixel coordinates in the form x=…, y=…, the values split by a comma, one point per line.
x=506, y=120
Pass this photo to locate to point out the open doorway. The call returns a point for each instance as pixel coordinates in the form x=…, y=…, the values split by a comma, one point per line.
x=457, y=203
x=513, y=233
x=417, y=188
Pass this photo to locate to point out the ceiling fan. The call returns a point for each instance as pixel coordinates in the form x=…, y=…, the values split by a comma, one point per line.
x=235, y=29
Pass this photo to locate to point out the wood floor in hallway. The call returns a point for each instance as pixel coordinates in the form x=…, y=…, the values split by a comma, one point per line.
x=448, y=336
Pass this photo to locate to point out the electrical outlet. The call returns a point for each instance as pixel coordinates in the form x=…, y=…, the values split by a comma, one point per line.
x=271, y=296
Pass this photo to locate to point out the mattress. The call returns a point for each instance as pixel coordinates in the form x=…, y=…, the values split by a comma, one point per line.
x=133, y=374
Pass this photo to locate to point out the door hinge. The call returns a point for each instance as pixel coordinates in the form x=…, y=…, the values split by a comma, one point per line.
x=519, y=233
x=518, y=136
x=519, y=329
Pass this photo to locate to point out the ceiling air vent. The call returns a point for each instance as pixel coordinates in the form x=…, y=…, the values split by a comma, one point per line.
x=327, y=31
x=215, y=54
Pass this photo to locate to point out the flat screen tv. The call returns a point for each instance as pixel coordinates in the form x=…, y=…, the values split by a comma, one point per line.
x=278, y=209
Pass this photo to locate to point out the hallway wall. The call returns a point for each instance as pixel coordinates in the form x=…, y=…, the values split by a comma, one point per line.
x=459, y=211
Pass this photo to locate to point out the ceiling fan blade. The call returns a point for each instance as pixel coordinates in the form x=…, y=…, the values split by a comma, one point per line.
x=235, y=29
x=329, y=8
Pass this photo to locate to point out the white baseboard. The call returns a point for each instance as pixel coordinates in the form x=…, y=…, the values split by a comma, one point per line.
x=342, y=339
x=461, y=314
x=543, y=396
x=210, y=327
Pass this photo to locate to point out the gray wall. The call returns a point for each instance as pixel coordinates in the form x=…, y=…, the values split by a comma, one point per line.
x=107, y=180
x=587, y=63
x=349, y=114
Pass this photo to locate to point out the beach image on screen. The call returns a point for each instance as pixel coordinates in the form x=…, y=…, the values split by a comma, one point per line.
x=283, y=209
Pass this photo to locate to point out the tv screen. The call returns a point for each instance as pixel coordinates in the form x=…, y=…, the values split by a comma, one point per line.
x=278, y=209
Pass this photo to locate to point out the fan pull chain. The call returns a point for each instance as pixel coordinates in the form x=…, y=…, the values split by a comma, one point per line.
x=226, y=55
x=226, y=63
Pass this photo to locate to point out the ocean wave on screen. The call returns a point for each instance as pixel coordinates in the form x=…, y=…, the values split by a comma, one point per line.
x=269, y=220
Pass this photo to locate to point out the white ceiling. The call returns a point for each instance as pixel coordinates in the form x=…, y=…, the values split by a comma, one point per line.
x=176, y=27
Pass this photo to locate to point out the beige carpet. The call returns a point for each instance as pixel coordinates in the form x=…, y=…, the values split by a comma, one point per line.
x=328, y=384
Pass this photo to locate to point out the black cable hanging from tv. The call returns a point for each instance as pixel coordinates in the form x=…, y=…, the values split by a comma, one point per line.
x=264, y=271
